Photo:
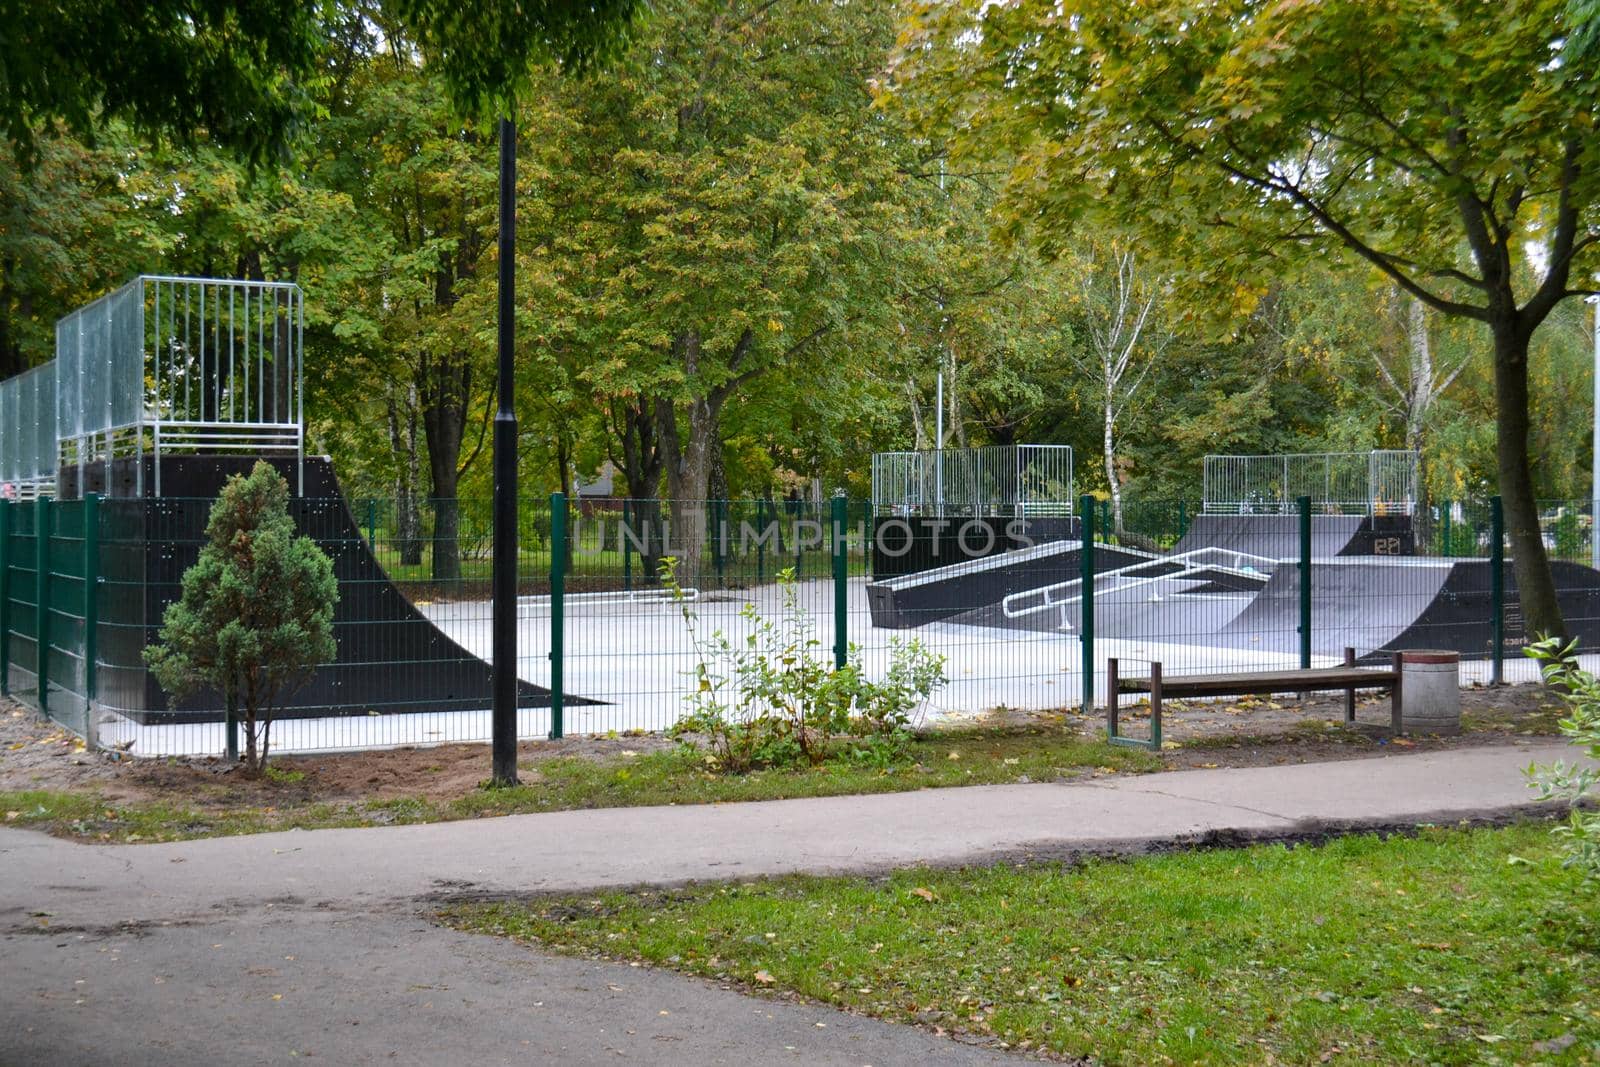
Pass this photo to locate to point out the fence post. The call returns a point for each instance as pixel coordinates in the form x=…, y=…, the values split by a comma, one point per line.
x=1497, y=591
x=719, y=546
x=1305, y=582
x=1086, y=598
x=1446, y=533
x=841, y=580
x=41, y=627
x=1183, y=519
x=91, y=615
x=627, y=553
x=761, y=544
x=6, y=509
x=1105, y=520
x=558, y=593
x=372, y=525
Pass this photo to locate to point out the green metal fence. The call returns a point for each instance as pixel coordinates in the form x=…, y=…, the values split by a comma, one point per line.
x=1025, y=616
x=49, y=591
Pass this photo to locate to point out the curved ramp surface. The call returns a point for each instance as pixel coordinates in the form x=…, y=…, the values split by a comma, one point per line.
x=1276, y=536
x=391, y=658
x=1375, y=605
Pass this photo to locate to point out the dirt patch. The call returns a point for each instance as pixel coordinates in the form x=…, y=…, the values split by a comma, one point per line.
x=37, y=754
x=1253, y=732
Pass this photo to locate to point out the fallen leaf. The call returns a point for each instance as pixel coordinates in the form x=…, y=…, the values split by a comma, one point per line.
x=925, y=893
x=764, y=978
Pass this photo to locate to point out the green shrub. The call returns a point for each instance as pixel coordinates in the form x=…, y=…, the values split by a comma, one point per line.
x=1453, y=536
x=776, y=699
x=1567, y=534
x=1580, y=691
x=256, y=616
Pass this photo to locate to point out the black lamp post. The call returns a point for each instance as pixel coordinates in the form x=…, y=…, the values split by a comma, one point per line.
x=505, y=478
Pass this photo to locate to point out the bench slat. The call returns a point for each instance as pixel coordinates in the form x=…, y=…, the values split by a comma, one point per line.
x=1263, y=682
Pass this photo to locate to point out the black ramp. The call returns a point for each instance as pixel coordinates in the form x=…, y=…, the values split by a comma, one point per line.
x=391, y=658
x=1358, y=602
x=1274, y=536
x=1377, y=605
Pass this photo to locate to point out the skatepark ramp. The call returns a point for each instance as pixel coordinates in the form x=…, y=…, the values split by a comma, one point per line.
x=391, y=658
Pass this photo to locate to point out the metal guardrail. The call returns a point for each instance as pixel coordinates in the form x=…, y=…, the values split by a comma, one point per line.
x=994, y=480
x=161, y=365
x=1380, y=482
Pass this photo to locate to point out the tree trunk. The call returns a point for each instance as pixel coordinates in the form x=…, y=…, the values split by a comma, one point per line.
x=1110, y=446
x=641, y=466
x=689, y=478
x=407, y=509
x=445, y=387
x=1536, y=590
x=1419, y=400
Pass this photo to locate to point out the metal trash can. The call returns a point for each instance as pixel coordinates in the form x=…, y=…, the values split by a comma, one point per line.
x=1431, y=684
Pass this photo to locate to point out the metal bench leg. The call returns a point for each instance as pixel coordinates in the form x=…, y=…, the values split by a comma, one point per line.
x=1111, y=699
x=1397, y=698
x=1155, y=707
x=1350, y=694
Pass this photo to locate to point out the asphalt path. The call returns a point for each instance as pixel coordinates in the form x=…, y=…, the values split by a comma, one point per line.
x=319, y=946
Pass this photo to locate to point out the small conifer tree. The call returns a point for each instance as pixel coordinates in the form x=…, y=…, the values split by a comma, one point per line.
x=256, y=616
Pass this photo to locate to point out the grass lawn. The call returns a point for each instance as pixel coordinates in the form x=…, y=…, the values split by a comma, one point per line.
x=299, y=793
x=1450, y=947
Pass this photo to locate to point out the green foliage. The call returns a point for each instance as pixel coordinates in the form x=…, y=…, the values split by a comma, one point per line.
x=1568, y=534
x=246, y=73
x=1454, y=537
x=1580, y=691
x=236, y=69
x=776, y=699
x=256, y=615
x=486, y=48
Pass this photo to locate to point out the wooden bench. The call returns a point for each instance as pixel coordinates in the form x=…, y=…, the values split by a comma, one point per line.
x=1348, y=678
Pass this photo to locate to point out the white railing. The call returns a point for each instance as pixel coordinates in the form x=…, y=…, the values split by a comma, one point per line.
x=1188, y=566
x=619, y=596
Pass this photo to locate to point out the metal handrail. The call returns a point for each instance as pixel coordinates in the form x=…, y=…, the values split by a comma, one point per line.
x=1188, y=564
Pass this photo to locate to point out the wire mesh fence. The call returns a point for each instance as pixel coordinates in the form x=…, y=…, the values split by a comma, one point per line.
x=1360, y=483
x=1024, y=611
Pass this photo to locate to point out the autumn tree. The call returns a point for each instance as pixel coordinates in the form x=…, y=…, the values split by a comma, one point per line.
x=1444, y=144
x=730, y=206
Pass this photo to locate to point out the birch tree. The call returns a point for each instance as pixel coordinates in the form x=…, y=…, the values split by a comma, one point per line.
x=1124, y=338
